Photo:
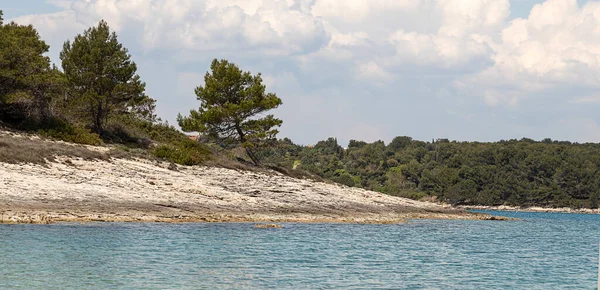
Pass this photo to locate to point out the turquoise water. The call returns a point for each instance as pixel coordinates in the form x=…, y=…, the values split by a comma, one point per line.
x=542, y=251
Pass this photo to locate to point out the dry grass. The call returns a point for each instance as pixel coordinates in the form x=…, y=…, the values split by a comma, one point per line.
x=122, y=152
x=17, y=149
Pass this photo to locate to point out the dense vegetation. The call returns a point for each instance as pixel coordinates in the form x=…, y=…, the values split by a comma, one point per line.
x=98, y=98
x=513, y=172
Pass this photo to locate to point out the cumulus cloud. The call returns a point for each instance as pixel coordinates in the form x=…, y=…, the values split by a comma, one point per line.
x=55, y=28
x=383, y=55
x=439, y=51
x=374, y=72
x=357, y=11
x=556, y=46
x=273, y=27
x=464, y=17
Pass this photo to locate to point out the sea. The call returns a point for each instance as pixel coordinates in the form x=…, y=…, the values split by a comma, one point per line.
x=539, y=251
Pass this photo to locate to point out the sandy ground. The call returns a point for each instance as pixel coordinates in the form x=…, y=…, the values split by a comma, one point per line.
x=142, y=190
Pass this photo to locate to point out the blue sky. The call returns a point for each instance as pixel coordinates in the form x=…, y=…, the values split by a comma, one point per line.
x=479, y=70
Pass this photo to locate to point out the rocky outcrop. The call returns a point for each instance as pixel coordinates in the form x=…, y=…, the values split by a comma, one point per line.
x=83, y=188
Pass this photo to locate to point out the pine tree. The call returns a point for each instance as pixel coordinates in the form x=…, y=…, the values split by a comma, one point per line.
x=27, y=80
x=230, y=100
x=102, y=79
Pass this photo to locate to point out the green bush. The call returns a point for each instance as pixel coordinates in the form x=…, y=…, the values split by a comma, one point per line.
x=185, y=152
x=163, y=132
x=61, y=130
x=343, y=177
x=122, y=133
x=140, y=134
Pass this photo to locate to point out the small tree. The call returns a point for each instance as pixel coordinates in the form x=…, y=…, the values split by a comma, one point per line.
x=27, y=81
x=102, y=78
x=229, y=103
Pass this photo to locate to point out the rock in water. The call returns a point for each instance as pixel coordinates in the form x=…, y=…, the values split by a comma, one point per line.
x=268, y=226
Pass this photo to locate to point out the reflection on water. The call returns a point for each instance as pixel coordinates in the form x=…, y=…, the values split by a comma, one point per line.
x=542, y=251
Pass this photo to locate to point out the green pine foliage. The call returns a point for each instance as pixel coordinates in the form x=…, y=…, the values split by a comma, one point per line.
x=98, y=89
x=27, y=80
x=102, y=80
x=230, y=102
x=514, y=172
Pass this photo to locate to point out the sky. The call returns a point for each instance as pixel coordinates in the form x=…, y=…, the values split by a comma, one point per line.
x=467, y=70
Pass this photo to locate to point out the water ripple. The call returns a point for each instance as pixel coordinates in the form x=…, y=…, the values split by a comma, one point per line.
x=543, y=251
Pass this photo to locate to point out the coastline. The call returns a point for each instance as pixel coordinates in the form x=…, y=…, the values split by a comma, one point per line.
x=72, y=189
x=27, y=216
x=531, y=209
x=94, y=186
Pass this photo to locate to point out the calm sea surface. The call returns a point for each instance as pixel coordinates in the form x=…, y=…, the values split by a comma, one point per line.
x=542, y=251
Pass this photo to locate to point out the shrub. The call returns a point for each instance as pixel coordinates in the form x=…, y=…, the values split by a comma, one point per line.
x=121, y=133
x=185, y=152
x=62, y=130
x=73, y=135
x=163, y=132
x=343, y=177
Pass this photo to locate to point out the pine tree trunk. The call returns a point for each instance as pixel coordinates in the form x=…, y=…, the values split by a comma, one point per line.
x=98, y=119
x=252, y=156
x=242, y=137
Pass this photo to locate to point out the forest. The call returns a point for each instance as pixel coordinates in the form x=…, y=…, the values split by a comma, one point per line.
x=509, y=172
x=96, y=97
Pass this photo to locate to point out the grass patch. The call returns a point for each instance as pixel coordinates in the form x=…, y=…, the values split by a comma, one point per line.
x=73, y=135
x=18, y=147
x=17, y=150
x=124, y=152
x=60, y=129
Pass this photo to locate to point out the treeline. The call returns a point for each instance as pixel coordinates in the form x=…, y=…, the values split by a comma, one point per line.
x=514, y=172
x=96, y=97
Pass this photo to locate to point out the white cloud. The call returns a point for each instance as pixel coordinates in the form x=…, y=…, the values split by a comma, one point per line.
x=374, y=72
x=462, y=53
x=464, y=17
x=353, y=11
x=272, y=26
x=557, y=46
x=439, y=50
x=586, y=100
x=54, y=28
x=493, y=97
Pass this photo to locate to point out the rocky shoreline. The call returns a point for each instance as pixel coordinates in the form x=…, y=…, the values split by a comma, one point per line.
x=124, y=190
x=532, y=209
x=92, y=186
